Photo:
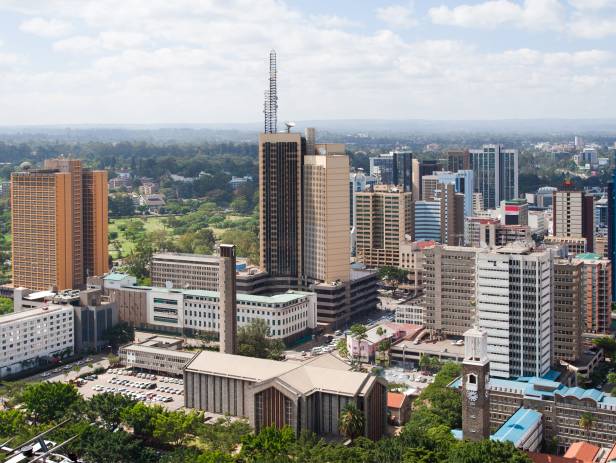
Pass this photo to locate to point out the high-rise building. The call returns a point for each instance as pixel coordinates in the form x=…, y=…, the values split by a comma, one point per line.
x=568, y=319
x=462, y=181
x=281, y=166
x=59, y=217
x=427, y=221
x=611, y=227
x=384, y=217
x=596, y=293
x=327, y=248
x=421, y=168
x=458, y=160
x=394, y=168
x=449, y=288
x=495, y=174
x=514, y=303
x=489, y=232
x=441, y=218
x=573, y=216
x=514, y=212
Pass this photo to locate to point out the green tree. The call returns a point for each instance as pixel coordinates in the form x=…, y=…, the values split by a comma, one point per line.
x=138, y=261
x=12, y=423
x=101, y=446
x=341, y=347
x=119, y=334
x=587, y=421
x=359, y=332
x=608, y=344
x=108, y=408
x=6, y=305
x=141, y=418
x=246, y=243
x=270, y=445
x=224, y=434
x=175, y=427
x=49, y=401
x=486, y=450
x=352, y=421
x=254, y=341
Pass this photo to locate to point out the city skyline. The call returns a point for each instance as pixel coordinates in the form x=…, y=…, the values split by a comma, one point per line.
x=195, y=62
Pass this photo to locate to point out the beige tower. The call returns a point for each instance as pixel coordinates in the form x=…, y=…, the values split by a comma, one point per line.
x=95, y=229
x=326, y=219
x=228, y=303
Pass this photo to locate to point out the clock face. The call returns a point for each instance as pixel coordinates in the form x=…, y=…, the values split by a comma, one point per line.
x=472, y=395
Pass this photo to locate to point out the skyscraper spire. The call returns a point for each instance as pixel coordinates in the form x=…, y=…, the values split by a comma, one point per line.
x=270, y=109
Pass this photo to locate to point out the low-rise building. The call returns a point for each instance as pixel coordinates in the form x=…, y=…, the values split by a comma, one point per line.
x=306, y=396
x=398, y=407
x=185, y=271
x=33, y=336
x=156, y=357
x=365, y=349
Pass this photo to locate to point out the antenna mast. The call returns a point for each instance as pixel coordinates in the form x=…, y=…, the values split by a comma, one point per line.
x=270, y=108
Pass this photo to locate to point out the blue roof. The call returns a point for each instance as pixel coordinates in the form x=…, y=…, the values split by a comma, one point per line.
x=580, y=394
x=457, y=434
x=456, y=383
x=516, y=427
x=552, y=375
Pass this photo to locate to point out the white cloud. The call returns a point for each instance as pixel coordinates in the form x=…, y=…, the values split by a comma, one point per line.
x=46, y=27
x=532, y=14
x=205, y=61
x=397, y=16
x=592, y=4
x=593, y=28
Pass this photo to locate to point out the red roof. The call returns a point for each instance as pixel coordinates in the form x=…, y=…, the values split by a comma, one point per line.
x=612, y=455
x=547, y=458
x=582, y=451
x=395, y=399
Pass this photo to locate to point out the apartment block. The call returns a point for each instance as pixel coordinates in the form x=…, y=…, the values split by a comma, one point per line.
x=596, y=293
x=449, y=289
x=327, y=245
x=384, y=217
x=59, y=218
x=35, y=335
x=514, y=304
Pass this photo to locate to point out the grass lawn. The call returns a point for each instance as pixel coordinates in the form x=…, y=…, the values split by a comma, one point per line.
x=231, y=218
x=151, y=223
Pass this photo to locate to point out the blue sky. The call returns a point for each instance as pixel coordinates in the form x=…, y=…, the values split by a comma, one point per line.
x=204, y=61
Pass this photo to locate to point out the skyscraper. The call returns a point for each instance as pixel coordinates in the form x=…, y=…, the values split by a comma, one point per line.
x=514, y=303
x=462, y=180
x=59, y=217
x=568, y=310
x=326, y=226
x=611, y=227
x=495, y=173
x=458, y=159
x=281, y=167
x=421, y=168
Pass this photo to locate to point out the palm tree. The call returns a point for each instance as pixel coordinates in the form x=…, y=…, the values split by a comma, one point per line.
x=352, y=421
x=586, y=422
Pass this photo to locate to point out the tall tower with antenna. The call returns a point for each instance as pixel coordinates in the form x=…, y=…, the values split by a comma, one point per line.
x=270, y=107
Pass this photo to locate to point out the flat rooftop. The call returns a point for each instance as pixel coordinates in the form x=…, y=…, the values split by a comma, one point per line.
x=187, y=258
x=431, y=348
x=159, y=350
x=36, y=312
x=517, y=426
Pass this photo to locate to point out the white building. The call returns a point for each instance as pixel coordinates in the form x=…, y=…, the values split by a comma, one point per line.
x=410, y=313
x=514, y=308
x=36, y=334
x=288, y=315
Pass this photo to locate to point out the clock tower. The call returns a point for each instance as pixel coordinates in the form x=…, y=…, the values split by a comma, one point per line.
x=475, y=392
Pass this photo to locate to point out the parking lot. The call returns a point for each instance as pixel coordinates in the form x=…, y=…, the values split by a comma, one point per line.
x=147, y=388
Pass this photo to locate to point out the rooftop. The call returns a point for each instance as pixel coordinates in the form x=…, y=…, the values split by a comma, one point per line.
x=178, y=256
x=395, y=399
x=516, y=427
x=435, y=348
x=51, y=308
x=160, y=350
x=583, y=451
x=116, y=276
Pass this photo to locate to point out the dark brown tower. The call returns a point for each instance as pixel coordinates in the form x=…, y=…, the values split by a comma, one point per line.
x=227, y=300
x=475, y=391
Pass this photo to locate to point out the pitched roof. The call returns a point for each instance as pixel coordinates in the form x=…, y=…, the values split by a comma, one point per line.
x=547, y=458
x=583, y=451
x=395, y=399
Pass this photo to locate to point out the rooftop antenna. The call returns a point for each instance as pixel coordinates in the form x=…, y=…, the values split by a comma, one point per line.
x=270, y=107
x=289, y=126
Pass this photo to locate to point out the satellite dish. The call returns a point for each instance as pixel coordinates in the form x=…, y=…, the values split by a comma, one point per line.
x=289, y=125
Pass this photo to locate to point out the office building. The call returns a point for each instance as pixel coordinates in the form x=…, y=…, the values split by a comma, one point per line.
x=477, y=203
x=384, y=217
x=94, y=315
x=514, y=304
x=601, y=213
x=34, y=337
x=568, y=319
x=495, y=173
x=394, y=168
x=462, y=181
x=611, y=227
x=458, y=159
x=573, y=216
x=289, y=315
x=281, y=167
x=427, y=221
x=411, y=259
x=449, y=289
x=185, y=271
x=158, y=354
x=59, y=222
x=544, y=196
x=486, y=232
x=358, y=181
x=596, y=293
x=419, y=170
x=306, y=396
x=514, y=212
x=573, y=246
x=327, y=246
